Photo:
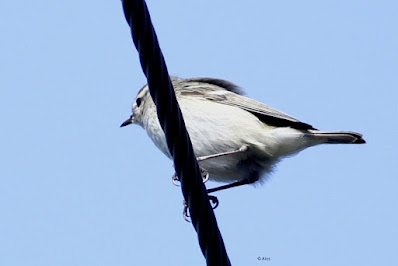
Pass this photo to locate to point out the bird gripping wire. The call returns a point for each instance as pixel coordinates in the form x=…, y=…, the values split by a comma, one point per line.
x=172, y=123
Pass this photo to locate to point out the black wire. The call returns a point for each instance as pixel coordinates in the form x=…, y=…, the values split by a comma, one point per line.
x=178, y=141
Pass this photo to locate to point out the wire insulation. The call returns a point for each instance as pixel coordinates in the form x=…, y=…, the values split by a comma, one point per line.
x=172, y=123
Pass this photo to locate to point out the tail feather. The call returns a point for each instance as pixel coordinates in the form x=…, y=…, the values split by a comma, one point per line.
x=339, y=137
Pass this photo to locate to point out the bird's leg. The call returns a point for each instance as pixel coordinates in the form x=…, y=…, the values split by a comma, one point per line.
x=234, y=184
x=207, y=157
x=214, y=199
x=204, y=173
x=244, y=148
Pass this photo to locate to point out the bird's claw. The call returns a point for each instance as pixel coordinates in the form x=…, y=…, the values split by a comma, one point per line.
x=205, y=176
x=214, y=201
x=185, y=213
x=176, y=180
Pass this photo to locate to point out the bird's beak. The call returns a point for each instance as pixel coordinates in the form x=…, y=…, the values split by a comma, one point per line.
x=128, y=121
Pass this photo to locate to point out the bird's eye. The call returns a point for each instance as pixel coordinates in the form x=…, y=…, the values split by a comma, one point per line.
x=138, y=102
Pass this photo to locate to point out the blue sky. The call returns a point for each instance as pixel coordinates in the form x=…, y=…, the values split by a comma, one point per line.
x=75, y=189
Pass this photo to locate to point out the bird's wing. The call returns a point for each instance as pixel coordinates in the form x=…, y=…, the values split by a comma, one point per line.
x=229, y=96
x=265, y=113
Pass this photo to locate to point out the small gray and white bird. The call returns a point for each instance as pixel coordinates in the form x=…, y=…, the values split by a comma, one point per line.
x=237, y=140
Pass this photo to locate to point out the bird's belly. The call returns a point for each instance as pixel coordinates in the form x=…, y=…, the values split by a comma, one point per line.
x=214, y=131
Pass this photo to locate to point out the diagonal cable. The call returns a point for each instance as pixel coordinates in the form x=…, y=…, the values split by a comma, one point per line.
x=178, y=141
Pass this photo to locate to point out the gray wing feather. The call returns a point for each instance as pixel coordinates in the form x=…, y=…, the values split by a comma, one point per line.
x=263, y=112
x=232, y=95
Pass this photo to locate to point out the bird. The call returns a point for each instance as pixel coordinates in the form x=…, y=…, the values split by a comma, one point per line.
x=237, y=140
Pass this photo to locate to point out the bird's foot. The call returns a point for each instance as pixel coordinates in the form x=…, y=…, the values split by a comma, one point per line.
x=185, y=213
x=205, y=176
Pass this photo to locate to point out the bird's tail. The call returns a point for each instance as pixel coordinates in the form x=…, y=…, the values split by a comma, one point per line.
x=337, y=137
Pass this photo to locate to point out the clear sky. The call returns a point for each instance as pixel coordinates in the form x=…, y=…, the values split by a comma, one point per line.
x=75, y=189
